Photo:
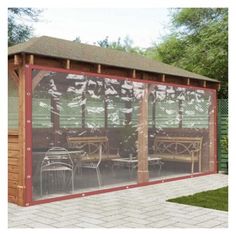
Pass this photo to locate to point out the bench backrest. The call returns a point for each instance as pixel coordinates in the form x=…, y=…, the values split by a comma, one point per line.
x=88, y=145
x=177, y=145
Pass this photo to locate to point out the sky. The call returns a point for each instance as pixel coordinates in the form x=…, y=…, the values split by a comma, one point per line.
x=143, y=25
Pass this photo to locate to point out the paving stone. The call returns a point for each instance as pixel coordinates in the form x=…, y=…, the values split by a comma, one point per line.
x=86, y=225
x=114, y=224
x=43, y=220
x=39, y=225
x=62, y=224
x=132, y=225
x=112, y=218
x=209, y=224
x=91, y=220
x=148, y=208
x=162, y=223
x=137, y=220
x=181, y=225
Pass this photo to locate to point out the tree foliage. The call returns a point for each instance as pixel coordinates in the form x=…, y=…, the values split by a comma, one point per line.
x=125, y=45
x=199, y=43
x=19, y=19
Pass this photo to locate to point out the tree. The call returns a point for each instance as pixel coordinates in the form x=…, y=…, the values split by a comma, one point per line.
x=125, y=45
x=199, y=43
x=18, y=30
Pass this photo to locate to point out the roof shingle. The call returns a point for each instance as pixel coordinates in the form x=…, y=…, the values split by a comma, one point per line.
x=66, y=49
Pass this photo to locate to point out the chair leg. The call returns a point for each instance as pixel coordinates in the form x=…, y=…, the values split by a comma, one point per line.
x=192, y=167
x=98, y=176
x=200, y=165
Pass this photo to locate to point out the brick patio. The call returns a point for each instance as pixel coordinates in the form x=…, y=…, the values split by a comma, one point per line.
x=144, y=207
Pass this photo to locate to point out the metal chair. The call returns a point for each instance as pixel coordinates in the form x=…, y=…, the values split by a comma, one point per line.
x=57, y=160
x=94, y=163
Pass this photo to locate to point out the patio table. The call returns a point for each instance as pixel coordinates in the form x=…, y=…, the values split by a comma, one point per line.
x=132, y=163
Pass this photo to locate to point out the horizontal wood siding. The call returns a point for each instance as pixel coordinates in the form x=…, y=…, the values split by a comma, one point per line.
x=13, y=165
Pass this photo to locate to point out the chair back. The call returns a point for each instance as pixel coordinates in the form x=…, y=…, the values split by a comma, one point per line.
x=57, y=157
x=91, y=148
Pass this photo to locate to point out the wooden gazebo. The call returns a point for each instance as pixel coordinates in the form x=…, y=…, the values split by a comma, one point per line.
x=30, y=62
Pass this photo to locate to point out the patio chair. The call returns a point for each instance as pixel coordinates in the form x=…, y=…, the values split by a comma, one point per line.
x=92, y=160
x=91, y=152
x=57, y=160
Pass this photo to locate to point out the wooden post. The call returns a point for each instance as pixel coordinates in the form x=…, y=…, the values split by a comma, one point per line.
x=99, y=69
x=133, y=73
x=31, y=59
x=163, y=79
x=17, y=60
x=153, y=113
x=143, y=173
x=180, y=113
x=83, y=109
x=105, y=106
x=188, y=81
x=55, y=119
x=67, y=64
x=204, y=83
x=212, y=133
x=20, y=198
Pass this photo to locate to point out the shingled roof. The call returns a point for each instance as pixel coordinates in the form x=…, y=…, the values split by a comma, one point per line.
x=60, y=48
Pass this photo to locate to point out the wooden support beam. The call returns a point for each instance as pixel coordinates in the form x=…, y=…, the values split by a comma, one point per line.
x=31, y=59
x=17, y=60
x=22, y=133
x=163, y=78
x=143, y=173
x=37, y=78
x=67, y=64
x=13, y=75
x=99, y=69
x=105, y=106
x=180, y=113
x=218, y=87
x=133, y=73
x=153, y=113
x=204, y=83
x=83, y=109
x=55, y=119
x=212, y=135
x=188, y=81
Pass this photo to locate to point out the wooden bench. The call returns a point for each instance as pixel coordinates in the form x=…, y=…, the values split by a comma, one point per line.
x=179, y=149
x=89, y=147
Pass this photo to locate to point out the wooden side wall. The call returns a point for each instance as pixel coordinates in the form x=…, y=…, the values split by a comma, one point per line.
x=13, y=165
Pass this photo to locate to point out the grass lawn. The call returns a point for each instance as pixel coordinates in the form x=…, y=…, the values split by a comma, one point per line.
x=214, y=199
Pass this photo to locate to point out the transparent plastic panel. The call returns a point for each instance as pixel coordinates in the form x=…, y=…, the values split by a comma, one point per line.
x=13, y=109
x=94, y=132
x=85, y=132
x=183, y=132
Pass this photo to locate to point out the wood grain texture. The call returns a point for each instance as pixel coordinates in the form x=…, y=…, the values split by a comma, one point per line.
x=13, y=165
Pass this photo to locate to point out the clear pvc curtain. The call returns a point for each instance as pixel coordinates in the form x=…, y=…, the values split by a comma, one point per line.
x=106, y=132
x=182, y=122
